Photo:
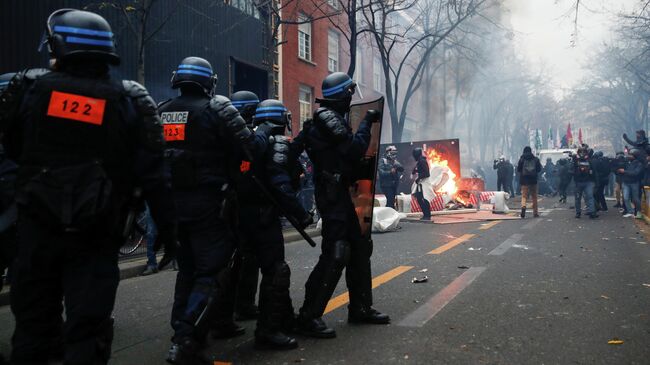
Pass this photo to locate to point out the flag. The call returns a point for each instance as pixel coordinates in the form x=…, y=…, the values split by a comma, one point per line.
x=558, y=141
x=538, y=139
x=569, y=136
x=580, y=135
x=549, y=141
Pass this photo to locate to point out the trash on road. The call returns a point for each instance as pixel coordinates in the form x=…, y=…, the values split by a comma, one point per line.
x=475, y=249
x=605, y=239
x=604, y=296
x=615, y=341
x=647, y=285
x=424, y=270
x=463, y=267
x=423, y=279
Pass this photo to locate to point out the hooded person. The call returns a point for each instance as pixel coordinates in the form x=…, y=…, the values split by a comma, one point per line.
x=421, y=172
x=528, y=168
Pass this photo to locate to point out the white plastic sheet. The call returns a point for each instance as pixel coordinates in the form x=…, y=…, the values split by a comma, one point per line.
x=385, y=219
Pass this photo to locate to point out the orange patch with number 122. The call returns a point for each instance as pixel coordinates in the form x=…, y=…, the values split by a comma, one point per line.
x=76, y=107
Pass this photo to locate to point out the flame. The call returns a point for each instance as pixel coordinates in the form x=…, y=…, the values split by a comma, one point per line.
x=437, y=161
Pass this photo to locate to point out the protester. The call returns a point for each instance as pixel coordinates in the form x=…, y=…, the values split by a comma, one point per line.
x=631, y=176
x=510, y=174
x=585, y=178
x=550, y=177
x=618, y=163
x=602, y=168
x=502, y=172
x=421, y=172
x=390, y=174
x=564, y=175
x=150, y=238
x=528, y=168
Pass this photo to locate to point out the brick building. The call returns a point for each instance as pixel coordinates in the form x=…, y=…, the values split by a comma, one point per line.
x=310, y=51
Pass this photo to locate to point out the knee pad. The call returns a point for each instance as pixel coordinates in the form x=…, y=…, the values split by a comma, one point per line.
x=341, y=252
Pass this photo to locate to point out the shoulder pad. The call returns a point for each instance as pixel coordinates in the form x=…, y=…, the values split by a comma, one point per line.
x=219, y=102
x=331, y=122
x=143, y=101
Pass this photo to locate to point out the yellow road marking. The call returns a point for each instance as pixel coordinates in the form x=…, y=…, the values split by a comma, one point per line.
x=489, y=225
x=344, y=298
x=451, y=244
x=221, y=363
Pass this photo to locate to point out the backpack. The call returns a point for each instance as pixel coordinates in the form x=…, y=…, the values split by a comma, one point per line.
x=529, y=167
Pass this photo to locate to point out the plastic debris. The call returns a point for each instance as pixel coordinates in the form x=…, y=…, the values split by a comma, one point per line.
x=648, y=285
x=605, y=239
x=423, y=279
x=615, y=341
x=475, y=249
x=424, y=270
x=604, y=296
x=463, y=267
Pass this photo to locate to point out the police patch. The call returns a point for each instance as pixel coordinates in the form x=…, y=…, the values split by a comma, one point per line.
x=174, y=125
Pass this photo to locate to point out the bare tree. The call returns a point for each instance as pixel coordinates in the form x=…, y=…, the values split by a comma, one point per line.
x=137, y=15
x=406, y=33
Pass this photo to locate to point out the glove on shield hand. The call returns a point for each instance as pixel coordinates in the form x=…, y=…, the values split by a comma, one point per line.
x=373, y=116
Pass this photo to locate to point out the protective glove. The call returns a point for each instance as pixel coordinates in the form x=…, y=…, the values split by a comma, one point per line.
x=373, y=116
x=167, y=239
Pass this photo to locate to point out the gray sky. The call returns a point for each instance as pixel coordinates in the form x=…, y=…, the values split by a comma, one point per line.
x=543, y=33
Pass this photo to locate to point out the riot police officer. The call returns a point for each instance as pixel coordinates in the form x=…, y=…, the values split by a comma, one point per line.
x=205, y=135
x=261, y=229
x=83, y=141
x=238, y=298
x=8, y=212
x=390, y=174
x=336, y=152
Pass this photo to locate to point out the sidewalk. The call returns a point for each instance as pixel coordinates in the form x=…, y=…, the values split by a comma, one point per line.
x=133, y=268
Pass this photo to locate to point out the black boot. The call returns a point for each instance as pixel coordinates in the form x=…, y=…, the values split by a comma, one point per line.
x=268, y=339
x=368, y=316
x=523, y=212
x=314, y=328
x=186, y=352
x=227, y=330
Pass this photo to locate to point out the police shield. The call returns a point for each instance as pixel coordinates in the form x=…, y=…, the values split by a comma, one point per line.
x=363, y=190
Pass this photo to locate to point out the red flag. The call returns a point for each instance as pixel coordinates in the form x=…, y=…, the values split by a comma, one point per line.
x=569, y=136
x=580, y=135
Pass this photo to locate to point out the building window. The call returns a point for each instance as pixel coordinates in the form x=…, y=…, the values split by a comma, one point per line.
x=246, y=6
x=332, y=51
x=304, y=98
x=333, y=3
x=376, y=74
x=304, y=38
x=358, y=68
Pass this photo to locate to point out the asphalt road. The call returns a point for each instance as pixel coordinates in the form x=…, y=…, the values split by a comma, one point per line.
x=551, y=290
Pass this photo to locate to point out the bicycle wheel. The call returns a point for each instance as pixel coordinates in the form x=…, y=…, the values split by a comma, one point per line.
x=135, y=240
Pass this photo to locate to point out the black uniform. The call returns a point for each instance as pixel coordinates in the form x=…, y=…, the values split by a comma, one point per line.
x=203, y=134
x=422, y=169
x=564, y=174
x=83, y=141
x=390, y=172
x=509, y=176
x=502, y=172
x=261, y=229
x=602, y=168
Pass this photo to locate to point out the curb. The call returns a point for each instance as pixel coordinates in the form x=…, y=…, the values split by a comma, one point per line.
x=132, y=268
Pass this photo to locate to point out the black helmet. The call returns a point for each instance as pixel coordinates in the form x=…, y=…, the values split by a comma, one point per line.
x=598, y=154
x=197, y=71
x=391, y=151
x=273, y=112
x=338, y=86
x=246, y=102
x=635, y=152
x=417, y=153
x=75, y=33
x=5, y=79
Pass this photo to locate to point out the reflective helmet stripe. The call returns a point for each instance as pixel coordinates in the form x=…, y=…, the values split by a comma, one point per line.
x=192, y=72
x=194, y=67
x=89, y=41
x=271, y=108
x=83, y=31
x=337, y=89
x=264, y=115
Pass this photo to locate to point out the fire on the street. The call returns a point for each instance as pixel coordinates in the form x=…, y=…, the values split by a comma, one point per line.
x=448, y=183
